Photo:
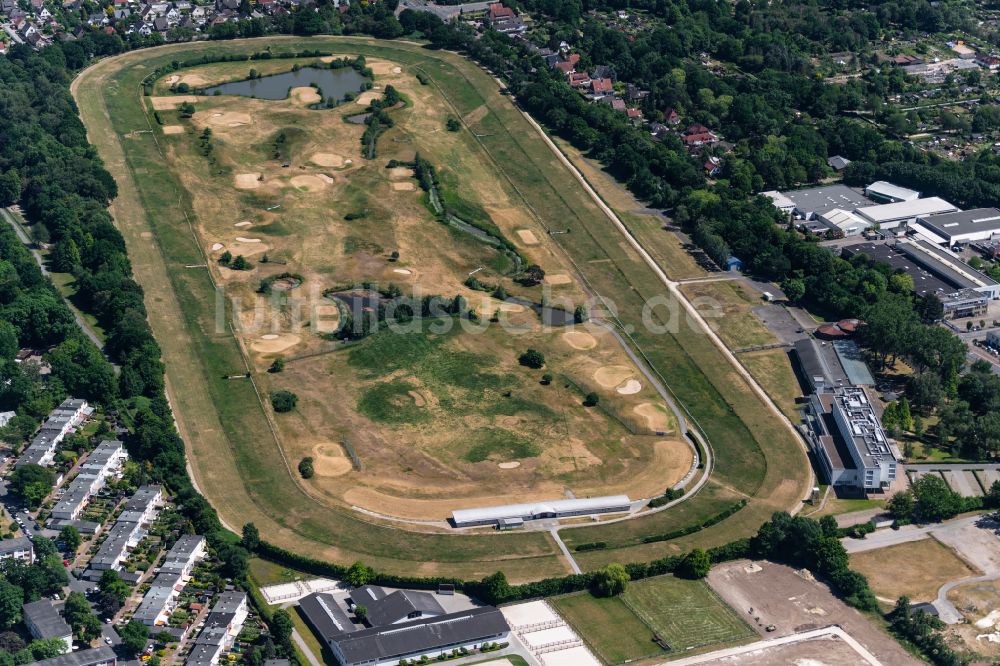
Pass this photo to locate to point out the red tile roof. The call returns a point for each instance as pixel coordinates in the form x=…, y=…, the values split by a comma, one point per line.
x=564, y=67
x=695, y=139
x=498, y=11
x=601, y=85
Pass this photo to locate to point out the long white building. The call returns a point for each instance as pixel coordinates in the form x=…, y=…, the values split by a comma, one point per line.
x=513, y=515
x=69, y=414
x=103, y=462
x=161, y=599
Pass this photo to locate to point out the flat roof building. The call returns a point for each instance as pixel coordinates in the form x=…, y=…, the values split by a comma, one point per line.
x=102, y=656
x=128, y=530
x=826, y=365
x=222, y=626
x=44, y=621
x=885, y=192
x=962, y=227
x=846, y=436
x=892, y=215
x=844, y=222
x=160, y=600
x=814, y=201
x=19, y=548
x=103, y=461
x=62, y=419
x=565, y=508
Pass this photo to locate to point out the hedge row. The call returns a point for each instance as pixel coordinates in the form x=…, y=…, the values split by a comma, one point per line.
x=691, y=529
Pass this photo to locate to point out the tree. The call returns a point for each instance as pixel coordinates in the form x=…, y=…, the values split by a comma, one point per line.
x=532, y=275
x=284, y=401
x=225, y=258
x=901, y=505
x=453, y=124
x=532, y=359
x=240, y=263
x=112, y=584
x=306, y=468
x=903, y=412
x=359, y=574
x=134, y=636
x=695, y=565
x=925, y=391
x=277, y=366
x=11, y=598
x=591, y=399
x=79, y=616
x=361, y=612
x=281, y=626
x=165, y=638
x=581, y=314
x=32, y=483
x=934, y=500
x=930, y=308
x=611, y=580
x=794, y=289
x=70, y=536
x=10, y=187
x=251, y=537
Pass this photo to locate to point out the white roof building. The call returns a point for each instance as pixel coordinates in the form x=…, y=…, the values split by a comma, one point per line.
x=844, y=221
x=886, y=192
x=892, y=215
x=566, y=508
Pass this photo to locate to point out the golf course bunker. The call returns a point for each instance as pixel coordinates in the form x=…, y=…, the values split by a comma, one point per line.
x=244, y=223
x=217, y=246
x=404, y=187
x=366, y=98
x=579, y=340
x=400, y=173
x=229, y=119
x=418, y=399
x=630, y=387
x=173, y=129
x=306, y=95
x=325, y=178
x=241, y=239
x=509, y=465
x=171, y=102
x=248, y=181
x=329, y=460
x=397, y=70
x=193, y=80
x=286, y=284
x=656, y=416
x=527, y=236
x=273, y=343
x=327, y=160
x=402, y=271
x=308, y=183
x=611, y=376
x=558, y=278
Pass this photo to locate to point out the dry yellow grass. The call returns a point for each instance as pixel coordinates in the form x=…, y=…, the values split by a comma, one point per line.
x=772, y=368
x=916, y=569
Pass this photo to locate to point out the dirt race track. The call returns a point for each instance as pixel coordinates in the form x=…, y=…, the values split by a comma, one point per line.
x=794, y=602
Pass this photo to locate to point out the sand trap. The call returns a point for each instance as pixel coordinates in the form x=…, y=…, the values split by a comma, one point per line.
x=194, y=80
x=327, y=160
x=173, y=129
x=404, y=187
x=655, y=415
x=527, y=236
x=558, y=278
x=329, y=460
x=989, y=621
x=397, y=70
x=172, y=79
x=509, y=465
x=579, y=340
x=171, y=102
x=309, y=183
x=247, y=240
x=217, y=246
x=365, y=98
x=306, y=95
x=418, y=399
x=146, y=234
x=325, y=178
x=229, y=119
x=612, y=375
x=630, y=387
x=402, y=271
x=400, y=173
x=273, y=343
x=247, y=181
x=244, y=223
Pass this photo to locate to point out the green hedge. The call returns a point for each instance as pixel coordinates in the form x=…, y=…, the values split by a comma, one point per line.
x=691, y=529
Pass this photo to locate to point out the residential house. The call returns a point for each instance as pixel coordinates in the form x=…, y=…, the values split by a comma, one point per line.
x=19, y=548
x=671, y=117
x=579, y=79
x=601, y=88
x=44, y=621
x=605, y=72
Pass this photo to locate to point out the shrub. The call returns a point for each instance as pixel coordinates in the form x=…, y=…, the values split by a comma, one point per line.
x=306, y=468
x=453, y=125
x=277, y=366
x=532, y=359
x=591, y=399
x=547, y=378
x=240, y=263
x=284, y=401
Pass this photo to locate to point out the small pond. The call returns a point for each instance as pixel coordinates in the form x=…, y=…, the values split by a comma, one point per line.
x=333, y=83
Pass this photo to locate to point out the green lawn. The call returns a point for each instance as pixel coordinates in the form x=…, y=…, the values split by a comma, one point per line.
x=608, y=627
x=685, y=613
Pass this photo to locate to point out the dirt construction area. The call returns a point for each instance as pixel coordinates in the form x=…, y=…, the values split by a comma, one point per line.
x=794, y=602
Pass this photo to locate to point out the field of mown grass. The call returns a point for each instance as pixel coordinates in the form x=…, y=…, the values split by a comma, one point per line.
x=227, y=432
x=608, y=627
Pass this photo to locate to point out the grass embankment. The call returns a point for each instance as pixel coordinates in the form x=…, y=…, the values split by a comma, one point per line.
x=227, y=431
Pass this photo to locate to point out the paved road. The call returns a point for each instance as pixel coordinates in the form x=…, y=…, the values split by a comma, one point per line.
x=891, y=537
x=554, y=531
x=946, y=610
x=715, y=657
x=11, y=218
x=930, y=467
